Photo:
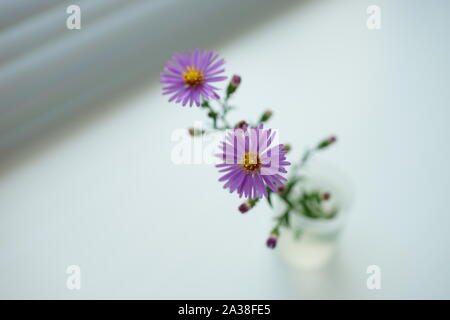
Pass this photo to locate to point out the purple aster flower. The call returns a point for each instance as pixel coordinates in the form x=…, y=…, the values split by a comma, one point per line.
x=187, y=77
x=250, y=164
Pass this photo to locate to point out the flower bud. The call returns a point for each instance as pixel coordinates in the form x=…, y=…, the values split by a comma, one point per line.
x=235, y=81
x=287, y=147
x=326, y=196
x=272, y=241
x=194, y=132
x=244, y=207
x=212, y=114
x=325, y=143
x=247, y=205
x=281, y=190
x=241, y=125
x=266, y=116
x=233, y=85
x=205, y=104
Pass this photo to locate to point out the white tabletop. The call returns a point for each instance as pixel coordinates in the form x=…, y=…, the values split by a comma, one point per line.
x=102, y=192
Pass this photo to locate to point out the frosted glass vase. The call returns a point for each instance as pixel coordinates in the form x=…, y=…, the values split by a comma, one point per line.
x=311, y=242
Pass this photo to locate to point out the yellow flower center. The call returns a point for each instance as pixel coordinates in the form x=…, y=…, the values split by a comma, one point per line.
x=251, y=162
x=193, y=77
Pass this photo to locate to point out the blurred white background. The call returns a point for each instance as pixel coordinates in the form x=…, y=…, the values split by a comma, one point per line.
x=85, y=137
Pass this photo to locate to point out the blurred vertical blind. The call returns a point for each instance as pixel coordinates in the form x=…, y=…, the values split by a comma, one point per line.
x=13, y=12
x=47, y=71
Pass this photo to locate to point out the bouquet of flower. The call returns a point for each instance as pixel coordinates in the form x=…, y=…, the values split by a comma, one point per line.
x=252, y=163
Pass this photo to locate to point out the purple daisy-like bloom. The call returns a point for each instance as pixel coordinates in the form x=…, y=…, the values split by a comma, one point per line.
x=187, y=77
x=250, y=164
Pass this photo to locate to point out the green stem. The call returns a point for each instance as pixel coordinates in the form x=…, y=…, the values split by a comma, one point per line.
x=225, y=109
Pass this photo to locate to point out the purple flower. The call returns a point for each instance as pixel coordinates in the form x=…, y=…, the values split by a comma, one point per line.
x=187, y=77
x=250, y=164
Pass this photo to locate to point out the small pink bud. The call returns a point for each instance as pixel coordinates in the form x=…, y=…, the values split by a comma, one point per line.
x=326, y=196
x=287, y=147
x=244, y=207
x=272, y=241
x=236, y=81
x=193, y=132
x=281, y=189
x=332, y=139
x=327, y=142
x=242, y=125
x=266, y=116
